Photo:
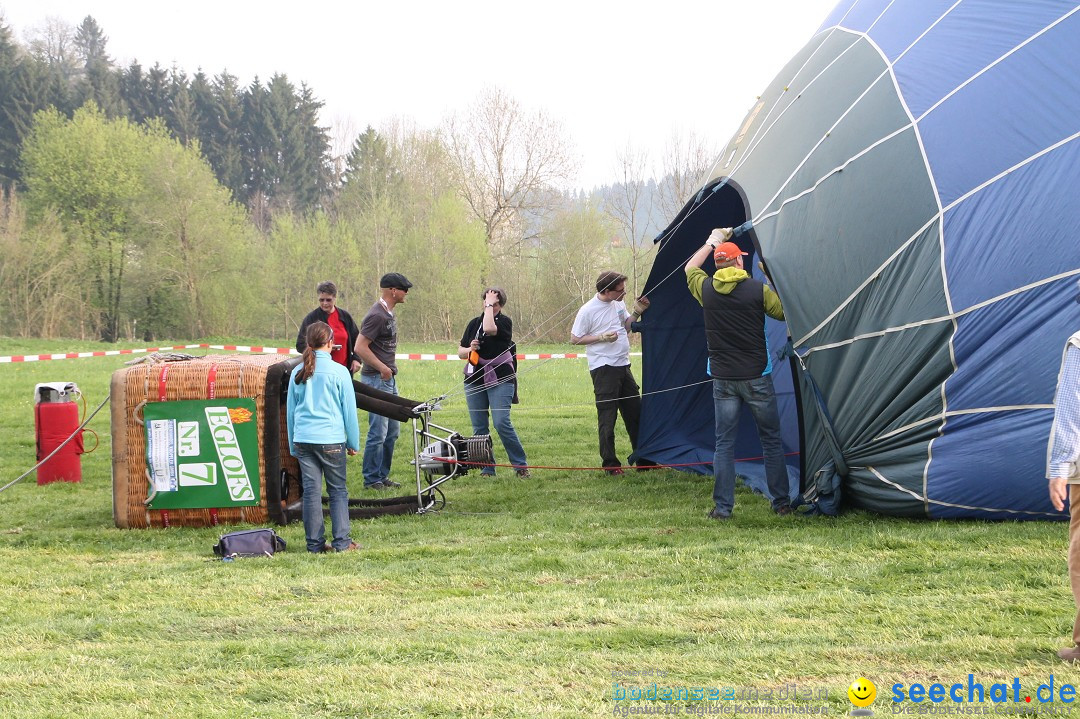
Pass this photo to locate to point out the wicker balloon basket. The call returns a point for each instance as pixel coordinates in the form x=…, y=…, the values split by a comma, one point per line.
x=260, y=377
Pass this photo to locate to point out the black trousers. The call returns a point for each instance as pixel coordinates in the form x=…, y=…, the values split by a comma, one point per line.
x=616, y=391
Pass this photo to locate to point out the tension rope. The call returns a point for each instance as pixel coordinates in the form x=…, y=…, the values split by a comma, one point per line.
x=61, y=445
x=649, y=467
x=563, y=312
x=560, y=314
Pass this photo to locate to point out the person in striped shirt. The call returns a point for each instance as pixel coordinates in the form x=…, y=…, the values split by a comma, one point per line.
x=1063, y=467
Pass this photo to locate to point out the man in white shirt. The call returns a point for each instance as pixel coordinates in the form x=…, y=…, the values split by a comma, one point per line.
x=603, y=326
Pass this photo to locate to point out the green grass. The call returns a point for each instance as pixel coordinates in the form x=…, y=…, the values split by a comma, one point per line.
x=520, y=599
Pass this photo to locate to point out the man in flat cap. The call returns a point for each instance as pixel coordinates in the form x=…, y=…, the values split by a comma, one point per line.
x=376, y=347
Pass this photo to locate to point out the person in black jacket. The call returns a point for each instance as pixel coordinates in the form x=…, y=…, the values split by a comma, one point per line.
x=740, y=365
x=345, y=329
x=491, y=376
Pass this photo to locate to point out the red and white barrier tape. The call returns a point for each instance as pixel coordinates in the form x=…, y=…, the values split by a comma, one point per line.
x=100, y=353
x=257, y=350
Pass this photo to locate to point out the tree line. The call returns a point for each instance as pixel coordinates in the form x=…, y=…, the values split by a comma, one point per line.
x=262, y=140
x=149, y=205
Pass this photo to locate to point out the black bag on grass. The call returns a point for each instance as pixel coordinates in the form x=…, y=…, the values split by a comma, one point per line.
x=249, y=543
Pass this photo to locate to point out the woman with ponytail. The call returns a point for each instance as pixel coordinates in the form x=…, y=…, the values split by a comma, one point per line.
x=323, y=429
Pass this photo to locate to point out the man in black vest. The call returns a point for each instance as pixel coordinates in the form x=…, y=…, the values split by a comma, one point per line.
x=740, y=365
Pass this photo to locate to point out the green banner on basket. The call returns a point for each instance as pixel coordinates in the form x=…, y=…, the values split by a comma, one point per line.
x=202, y=453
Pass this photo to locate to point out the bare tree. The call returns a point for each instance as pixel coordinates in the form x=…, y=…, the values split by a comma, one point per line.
x=631, y=205
x=53, y=42
x=686, y=162
x=508, y=163
x=343, y=134
x=36, y=266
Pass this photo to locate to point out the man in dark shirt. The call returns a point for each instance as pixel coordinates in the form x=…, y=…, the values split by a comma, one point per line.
x=340, y=321
x=376, y=347
x=740, y=365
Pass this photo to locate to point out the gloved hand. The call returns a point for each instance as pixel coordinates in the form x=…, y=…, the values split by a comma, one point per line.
x=719, y=236
x=640, y=305
x=609, y=336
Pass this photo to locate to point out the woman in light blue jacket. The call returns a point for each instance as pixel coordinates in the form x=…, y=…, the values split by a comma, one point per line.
x=323, y=429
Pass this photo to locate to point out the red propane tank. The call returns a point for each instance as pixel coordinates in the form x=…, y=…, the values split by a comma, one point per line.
x=56, y=417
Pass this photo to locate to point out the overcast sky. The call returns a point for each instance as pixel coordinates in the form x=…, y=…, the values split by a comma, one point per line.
x=612, y=72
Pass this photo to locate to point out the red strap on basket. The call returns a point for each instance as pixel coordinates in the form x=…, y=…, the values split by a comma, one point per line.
x=211, y=393
x=162, y=378
x=161, y=381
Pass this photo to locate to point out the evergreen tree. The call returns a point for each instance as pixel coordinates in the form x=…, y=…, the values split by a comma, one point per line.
x=286, y=165
x=286, y=153
x=158, y=93
x=90, y=42
x=259, y=143
x=183, y=117
x=9, y=138
x=202, y=98
x=146, y=93
x=318, y=167
x=31, y=85
x=224, y=146
x=372, y=171
x=133, y=92
x=98, y=82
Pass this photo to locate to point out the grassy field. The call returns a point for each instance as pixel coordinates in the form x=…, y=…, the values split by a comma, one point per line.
x=522, y=598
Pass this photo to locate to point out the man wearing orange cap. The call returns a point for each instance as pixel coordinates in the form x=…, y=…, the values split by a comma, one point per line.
x=740, y=365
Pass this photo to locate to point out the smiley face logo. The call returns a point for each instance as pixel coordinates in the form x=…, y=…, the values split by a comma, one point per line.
x=862, y=692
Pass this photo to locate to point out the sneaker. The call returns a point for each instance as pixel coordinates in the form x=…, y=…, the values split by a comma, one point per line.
x=353, y=546
x=783, y=510
x=390, y=484
x=614, y=471
x=487, y=474
x=717, y=514
x=378, y=486
x=1069, y=654
x=325, y=548
x=524, y=473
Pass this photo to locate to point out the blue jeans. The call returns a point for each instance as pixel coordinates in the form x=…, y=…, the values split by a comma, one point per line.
x=382, y=435
x=759, y=396
x=318, y=461
x=498, y=398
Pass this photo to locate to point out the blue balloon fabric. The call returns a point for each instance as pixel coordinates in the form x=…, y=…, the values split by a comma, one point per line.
x=911, y=179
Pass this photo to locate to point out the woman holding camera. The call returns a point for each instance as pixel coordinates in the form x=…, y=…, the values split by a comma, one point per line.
x=487, y=346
